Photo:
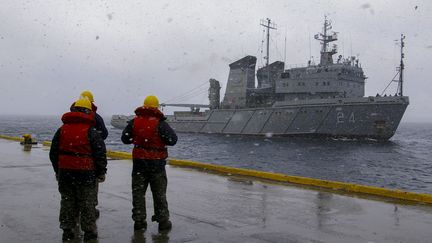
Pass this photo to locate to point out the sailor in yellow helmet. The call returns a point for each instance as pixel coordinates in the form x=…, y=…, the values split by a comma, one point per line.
x=150, y=134
x=78, y=157
x=100, y=127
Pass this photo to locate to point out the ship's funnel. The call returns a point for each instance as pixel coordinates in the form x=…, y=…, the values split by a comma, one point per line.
x=241, y=78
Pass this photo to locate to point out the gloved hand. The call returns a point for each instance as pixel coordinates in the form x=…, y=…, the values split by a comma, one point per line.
x=101, y=178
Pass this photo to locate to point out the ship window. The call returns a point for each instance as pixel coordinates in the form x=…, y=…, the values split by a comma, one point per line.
x=285, y=75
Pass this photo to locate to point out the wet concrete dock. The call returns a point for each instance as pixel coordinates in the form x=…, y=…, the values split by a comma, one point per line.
x=204, y=208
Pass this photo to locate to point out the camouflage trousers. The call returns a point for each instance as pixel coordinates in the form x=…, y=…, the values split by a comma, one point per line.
x=158, y=185
x=76, y=198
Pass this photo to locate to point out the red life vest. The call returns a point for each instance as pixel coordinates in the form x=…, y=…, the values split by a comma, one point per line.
x=148, y=144
x=75, y=152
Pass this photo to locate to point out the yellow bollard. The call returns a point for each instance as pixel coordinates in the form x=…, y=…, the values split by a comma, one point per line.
x=28, y=142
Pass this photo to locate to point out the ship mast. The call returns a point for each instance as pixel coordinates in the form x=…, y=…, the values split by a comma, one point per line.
x=399, y=70
x=402, y=66
x=326, y=55
x=269, y=25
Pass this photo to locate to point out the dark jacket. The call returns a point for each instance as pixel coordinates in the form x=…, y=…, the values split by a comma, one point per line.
x=98, y=154
x=100, y=124
x=167, y=135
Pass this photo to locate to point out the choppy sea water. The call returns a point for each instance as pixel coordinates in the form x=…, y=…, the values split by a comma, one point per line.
x=404, y=162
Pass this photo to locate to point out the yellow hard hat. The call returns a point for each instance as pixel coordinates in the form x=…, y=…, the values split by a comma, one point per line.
x=83, y=102
x=151, y=101
x=87, y=94
x=26, y=135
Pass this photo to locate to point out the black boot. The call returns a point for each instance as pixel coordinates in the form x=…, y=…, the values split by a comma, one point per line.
x=90, y=235
x=140, y=225
x=68, y=234
x=165, y=225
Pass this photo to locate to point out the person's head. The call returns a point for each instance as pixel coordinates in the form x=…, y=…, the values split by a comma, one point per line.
x=151, y=101
x=82, y=105
x=87, y=94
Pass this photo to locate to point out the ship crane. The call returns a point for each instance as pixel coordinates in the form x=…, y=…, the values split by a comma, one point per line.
x=194, y=107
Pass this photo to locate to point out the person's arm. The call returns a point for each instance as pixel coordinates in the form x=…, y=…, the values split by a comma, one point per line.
x=127, y=135
x=54, y=151
x=100, y=126
x=166, y=133
x=98, y=152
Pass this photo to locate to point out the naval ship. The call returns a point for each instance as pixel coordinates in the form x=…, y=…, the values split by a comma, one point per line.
x=318, y=100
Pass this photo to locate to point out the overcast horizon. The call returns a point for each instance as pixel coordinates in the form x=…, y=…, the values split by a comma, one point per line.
x=124, y=51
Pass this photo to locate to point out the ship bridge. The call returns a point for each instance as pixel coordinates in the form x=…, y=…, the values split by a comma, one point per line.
x=342, y=79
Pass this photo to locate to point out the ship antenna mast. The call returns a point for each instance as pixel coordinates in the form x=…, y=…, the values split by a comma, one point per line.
x=402, y=66
x=399, y=69
x=326, y=38
x=269, y=25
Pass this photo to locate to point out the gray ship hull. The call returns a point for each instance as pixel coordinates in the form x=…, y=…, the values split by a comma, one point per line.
x=366, y=117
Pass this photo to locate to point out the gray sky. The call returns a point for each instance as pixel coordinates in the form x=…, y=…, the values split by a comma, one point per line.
x=51, y=50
